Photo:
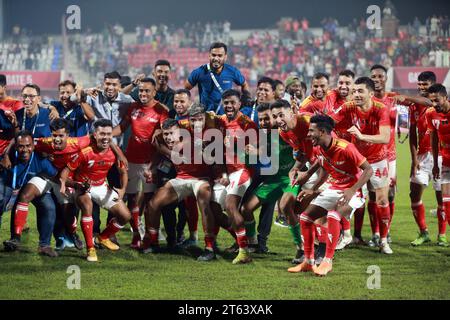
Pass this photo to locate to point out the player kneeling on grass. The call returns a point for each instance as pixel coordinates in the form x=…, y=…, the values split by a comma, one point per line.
x=192, y=180
x=343, y=163
x=90, y=171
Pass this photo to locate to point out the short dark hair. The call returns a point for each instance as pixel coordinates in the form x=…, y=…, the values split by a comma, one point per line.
x=23, y=134
x=269, y=81
x=438, y=88
x=33, y=86
x=217, y=45
x=323, y=122
x=112, y=75
x=280, y=104
x=2, y=80
x=162, y=62
x=102, y=123
x=320, y=75
x=149, y=80
x=197, y=108
x=183, y=91
x=367, y=81
x=67, y=83
x=277, y=82
x=263, y=107
x=231, y=93
x=347, y=73
x=378, y=66
x=60, y=123
x=125, y=81
x=427, y=76
x=303, y=85
x=169, y=123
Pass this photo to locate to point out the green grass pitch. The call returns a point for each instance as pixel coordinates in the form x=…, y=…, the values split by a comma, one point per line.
x=410, y=273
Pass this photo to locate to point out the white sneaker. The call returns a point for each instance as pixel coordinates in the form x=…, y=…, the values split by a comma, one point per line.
x=343, y=242
x=385, y=248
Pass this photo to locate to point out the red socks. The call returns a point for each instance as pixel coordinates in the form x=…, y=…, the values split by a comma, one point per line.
x=20, y=217
x=135, y=218
x=372, y=209
x=321, y=233
x=334, y=230
x=383, y=215
x=87, y=226
x=442, y=221
x=241, y=238
x=418, y=210
x=209, y=241
x=112, y=228
x=307, y=226
x=345, y=224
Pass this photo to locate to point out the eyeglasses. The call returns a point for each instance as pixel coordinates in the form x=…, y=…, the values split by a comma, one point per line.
x=31, y=96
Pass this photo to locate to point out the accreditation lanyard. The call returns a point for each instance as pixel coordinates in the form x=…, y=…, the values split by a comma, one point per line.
x=216, y=83
x=27, y=170
x=25, y=119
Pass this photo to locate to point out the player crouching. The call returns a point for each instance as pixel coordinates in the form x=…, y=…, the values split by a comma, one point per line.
x=90, y=171
x=342, y=161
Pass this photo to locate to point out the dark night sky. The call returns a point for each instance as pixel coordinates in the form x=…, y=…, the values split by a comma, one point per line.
x=44, y=16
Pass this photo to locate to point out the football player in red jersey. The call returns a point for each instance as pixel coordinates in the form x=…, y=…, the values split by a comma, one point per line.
x=438, y=121
x=192, y=180
x=422, y=165
x=314, y=103
x=343, y=163
x=293, y=129
x=334, y=99
x=370, y=127
x=90, y=170
x=239, y=128
x=7, y=103
x=145, y=119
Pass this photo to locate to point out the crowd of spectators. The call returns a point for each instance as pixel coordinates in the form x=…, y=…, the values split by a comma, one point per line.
x=22, y=51
x=293, y=47
x=190, y=35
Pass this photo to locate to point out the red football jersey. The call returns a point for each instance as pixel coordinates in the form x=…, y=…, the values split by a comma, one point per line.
x=92, y=166
x=240, y=123
x=312, y=105
x=440, y=122
x=144, y=121
x=332, y=102
x=62, y=157
x=389, y=102
x=297, y=137
x=368, y=123
x=10, y=104
x=417, y=117
x=342, y=161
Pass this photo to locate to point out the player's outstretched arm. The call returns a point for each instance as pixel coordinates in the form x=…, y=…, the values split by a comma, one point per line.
x=363, y=179
x=435, y=151
x=381, y=138
x=413, y=149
